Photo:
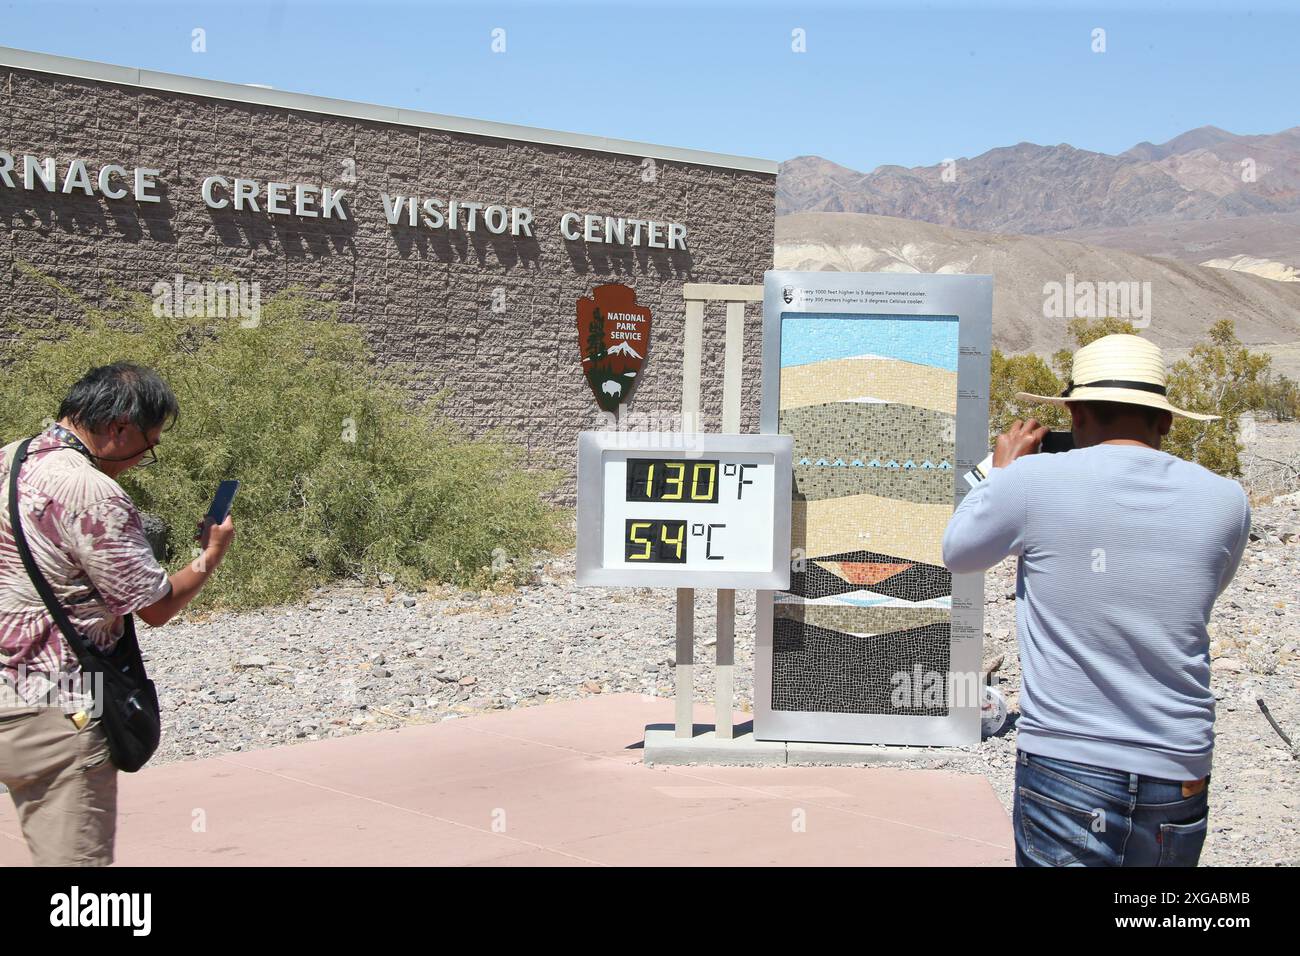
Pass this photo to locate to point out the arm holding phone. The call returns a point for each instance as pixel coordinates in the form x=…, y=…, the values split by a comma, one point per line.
x=1022, y=438
x=989, y=524
x=215, y=535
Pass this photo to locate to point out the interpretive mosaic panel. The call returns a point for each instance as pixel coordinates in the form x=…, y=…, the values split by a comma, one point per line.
x=870, y=401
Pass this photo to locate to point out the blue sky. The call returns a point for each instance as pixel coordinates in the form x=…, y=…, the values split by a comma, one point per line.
x=910, y=84
x=925, y=340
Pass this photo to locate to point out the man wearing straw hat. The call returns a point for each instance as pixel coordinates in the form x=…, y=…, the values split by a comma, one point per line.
x=1122, y=551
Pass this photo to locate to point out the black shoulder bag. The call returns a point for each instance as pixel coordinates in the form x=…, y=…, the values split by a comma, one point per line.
x=125, y=696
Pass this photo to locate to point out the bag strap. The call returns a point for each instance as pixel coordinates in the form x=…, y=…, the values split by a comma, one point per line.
x=85, y=655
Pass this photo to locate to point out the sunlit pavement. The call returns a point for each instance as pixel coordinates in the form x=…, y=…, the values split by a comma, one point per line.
x=556, y=784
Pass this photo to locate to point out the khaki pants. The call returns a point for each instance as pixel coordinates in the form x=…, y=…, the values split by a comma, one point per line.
x=62, y=783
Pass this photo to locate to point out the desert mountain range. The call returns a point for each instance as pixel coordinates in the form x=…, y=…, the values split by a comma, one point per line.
x=1191, y=198
x=1210, y=219
x=1207, y=173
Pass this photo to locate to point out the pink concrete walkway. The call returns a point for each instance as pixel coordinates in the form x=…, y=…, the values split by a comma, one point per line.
x=558, y=784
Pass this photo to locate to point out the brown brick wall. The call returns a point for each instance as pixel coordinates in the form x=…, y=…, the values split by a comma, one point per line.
x=424, y=296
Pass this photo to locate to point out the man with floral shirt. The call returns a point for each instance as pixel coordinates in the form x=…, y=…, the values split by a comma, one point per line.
x=87, y=538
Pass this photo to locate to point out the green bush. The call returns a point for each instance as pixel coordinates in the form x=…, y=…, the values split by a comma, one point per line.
x=1219, y=377
x=1277, y=397
x=1022, y=373
x=343, y=474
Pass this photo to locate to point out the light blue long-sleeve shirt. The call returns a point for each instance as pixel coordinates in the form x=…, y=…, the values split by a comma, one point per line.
x=1123, y=550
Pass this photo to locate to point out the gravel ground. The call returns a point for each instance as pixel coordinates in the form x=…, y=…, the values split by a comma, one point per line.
x=354, y=660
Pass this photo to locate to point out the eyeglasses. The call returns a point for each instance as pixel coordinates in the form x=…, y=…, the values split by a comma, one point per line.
x=151, y=457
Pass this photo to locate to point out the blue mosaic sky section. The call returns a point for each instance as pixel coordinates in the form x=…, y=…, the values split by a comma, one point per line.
x=822, y=336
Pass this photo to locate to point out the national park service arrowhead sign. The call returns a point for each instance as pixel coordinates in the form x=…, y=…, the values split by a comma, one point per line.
x=613, y=339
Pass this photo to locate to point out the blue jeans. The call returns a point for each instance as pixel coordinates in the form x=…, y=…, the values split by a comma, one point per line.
x=1071, y=814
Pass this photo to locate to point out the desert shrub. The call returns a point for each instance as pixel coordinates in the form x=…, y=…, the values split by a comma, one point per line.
x=1221, y=377
x=1278, y=398
x=343, y=474
x=1023, y=373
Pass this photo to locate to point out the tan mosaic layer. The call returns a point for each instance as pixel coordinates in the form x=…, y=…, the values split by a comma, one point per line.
x=891, y=380
x=904, y=529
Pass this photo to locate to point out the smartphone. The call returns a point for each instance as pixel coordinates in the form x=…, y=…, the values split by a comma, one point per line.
x=222, y=501
x=1057, y=441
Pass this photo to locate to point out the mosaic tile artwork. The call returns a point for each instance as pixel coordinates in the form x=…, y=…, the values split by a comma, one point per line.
x=870, y=402
x=868, y=573
x=832, y=672
x=884, y=448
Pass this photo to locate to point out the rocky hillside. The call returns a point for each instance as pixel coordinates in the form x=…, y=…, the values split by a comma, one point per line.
x=1205, y=174
x=1185, y=299
x=1274, y=237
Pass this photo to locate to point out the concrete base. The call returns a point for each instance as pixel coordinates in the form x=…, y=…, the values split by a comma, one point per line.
x=703, y=748
x=664, y=747
x=806, y=754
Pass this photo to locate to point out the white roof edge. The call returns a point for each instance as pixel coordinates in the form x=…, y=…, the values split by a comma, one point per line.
x=282, y=99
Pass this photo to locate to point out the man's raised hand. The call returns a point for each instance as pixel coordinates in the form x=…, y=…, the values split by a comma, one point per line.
x=1022, y=438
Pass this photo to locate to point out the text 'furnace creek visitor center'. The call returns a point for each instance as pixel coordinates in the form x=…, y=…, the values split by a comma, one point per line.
x=461, y=246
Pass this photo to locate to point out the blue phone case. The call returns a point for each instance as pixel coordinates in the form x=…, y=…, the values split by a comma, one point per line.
x=223, y=501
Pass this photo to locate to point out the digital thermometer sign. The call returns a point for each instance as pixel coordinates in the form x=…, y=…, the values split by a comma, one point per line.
x=663, y=509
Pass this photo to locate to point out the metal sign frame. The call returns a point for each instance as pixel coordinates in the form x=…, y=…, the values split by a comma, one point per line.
x=970, y=298
x=591, y=507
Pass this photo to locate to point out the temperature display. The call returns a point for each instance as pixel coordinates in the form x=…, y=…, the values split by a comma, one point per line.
x=665, y=541
x=667, y=509
x=660, y=479
x=661, y=541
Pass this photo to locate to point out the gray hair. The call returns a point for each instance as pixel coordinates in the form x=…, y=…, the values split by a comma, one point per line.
x=111, y=393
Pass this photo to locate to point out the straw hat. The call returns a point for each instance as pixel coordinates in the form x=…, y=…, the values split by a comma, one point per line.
x=1118, y=368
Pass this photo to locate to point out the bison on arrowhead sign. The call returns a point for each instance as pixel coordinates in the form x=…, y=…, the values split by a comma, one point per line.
x=614, y=338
